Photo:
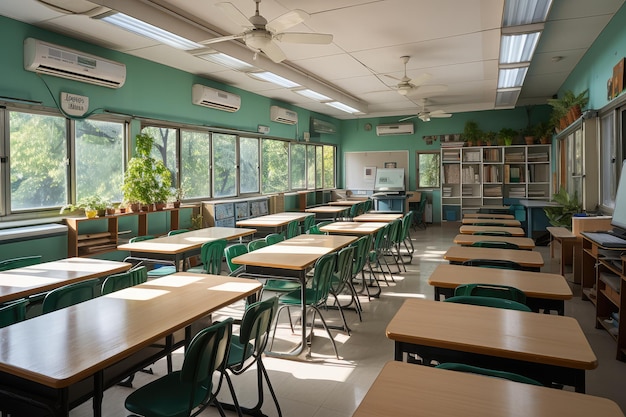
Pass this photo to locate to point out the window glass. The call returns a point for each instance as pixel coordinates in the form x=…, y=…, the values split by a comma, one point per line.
x=249, y=165
x=274, y=166
x=38, y=161
x=608, y=160
x=224, y=165
x=319, y=167
x=329, y=166
x=164, y=147
x=428, y=169
x=99, y=159
x=298, y=166
x=310, y=167
x=195, y=159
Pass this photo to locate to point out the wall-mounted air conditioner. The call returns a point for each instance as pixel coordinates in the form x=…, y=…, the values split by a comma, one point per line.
x=320, y=126
x=395, y=129
x=201, y=95
x=46, y=58
x=281, y=115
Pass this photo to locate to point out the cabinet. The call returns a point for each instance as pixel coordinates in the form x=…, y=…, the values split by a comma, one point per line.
x=603, y=284
x=473, y=177
x=105, y=235
x=226, y=213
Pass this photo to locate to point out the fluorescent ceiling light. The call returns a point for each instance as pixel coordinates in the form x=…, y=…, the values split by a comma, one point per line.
x=313, y=95
x=511, y=77
x=507, y=98
x=343, y=107
x=525, y=12
x=518, y=48
x=274, y=79
x=228, y=61
x=145, y=29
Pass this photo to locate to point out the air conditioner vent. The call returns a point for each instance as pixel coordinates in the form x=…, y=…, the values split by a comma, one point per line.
x=202, y=95
x=281, y=115
x=395, y=129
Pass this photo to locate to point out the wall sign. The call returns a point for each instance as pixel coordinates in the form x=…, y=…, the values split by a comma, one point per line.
x=74, y=105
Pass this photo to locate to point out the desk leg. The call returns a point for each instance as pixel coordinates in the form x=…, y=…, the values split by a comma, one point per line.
x=98, y=393
x=529, y=222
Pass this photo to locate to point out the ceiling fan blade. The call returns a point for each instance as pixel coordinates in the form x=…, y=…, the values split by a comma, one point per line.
x=408, y=118
x=421, y=79
x=234, y=14
x=429, y=89
x=310, y=38
x=287, y=20
x=273, y=52
x=440, y=115
x=221, y=39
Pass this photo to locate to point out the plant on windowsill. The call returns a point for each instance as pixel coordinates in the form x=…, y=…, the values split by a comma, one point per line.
x=529, y=134
x=471, y=133
x=561, y=216
x=506, y=135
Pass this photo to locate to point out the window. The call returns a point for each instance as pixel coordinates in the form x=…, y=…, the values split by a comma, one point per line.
x=329, y=166
x=274, y=166
x=249, y=165
x=609, y=164
x=298, y=166
x=310, y=167
x=164, y=147
x=319, y=167
x=195, y=162
x=224, y=165
x=428, y=165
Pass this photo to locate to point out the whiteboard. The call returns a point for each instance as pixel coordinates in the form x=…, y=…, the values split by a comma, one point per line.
x=360, y=167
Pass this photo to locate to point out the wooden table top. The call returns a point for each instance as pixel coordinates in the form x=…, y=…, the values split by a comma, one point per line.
x=327, y=209
x=353, y=228
x=506, y=222
x=22, y=282
x=520, y=335
x=273, y=220
x=488, y=216
x=297, y=253
x=522, y=242
x=377, y=217
x=470, y=230
x=92, y=335
x=183, y=242
x=345, y=203
x=403, y=388
x=533, y=284
x=526, y=258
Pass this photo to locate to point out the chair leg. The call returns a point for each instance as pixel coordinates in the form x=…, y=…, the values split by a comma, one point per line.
x=325, y=327
x=343, y=316
x=231, y=388
x=261, y=368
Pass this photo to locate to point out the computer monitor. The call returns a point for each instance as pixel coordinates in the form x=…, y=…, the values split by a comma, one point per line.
x=618, y=221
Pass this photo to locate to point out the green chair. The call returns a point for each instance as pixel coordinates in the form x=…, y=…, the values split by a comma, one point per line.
x=353, y=212
x=293, y=229
x=139, y=274
x=315, y=229
x=361, y=256
x=13, y=312
x=231, y=252
x=256, y=244
x=488, y=372
x=21, y=262
x=374, y=256
x=493, y=233
x=341, y=280
x=315, y=296
x=246, y=350
x=307, y=223
x=407, y=221
x=273, y=238
x=493, y=263
x=211, y=254
x=179, y=393
x=491, y=290
x=117, y=282
x=367, y=206
x=488, y=302
x=494, y=244
x=395, y=238
x=418, y=215
x=70, y=294
x=159, y=268
x=177, y=232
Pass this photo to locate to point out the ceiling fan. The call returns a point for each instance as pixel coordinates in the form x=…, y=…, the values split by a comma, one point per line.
x=411, y=86
x=261, y=36
x=426, y=115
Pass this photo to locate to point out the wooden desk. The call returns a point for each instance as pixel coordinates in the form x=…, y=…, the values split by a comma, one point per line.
x=290, y=259
x=345, y=203
x=353, y=228
x=329, y=211
x=543, y=291
x=545, y=347
x=470, y=230
x=70, y=355
x=177, y=247
x=377, y=217
x=276, y=222
x=566, y=240
x=488, y=216
x=466, y=240
x=407, y=390
x=485, y=222
x=530, y=260
x=23, y=282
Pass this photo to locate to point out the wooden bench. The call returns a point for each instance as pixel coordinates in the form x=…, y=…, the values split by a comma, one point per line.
x=566, y=241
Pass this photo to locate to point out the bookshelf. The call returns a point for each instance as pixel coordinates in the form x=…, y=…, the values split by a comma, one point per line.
x=486, y=175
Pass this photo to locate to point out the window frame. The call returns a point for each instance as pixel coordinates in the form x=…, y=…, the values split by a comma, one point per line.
x=417, y=169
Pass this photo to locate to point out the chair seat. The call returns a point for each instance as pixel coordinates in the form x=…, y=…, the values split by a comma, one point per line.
x=161, y=271
x=236, y=353
x=281, y=285
x=197, y=270
x=293, y=297
x=167, y=396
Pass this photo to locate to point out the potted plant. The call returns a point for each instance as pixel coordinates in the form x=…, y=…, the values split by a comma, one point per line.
x=490, y=138
x=506, y=135
x=471, y=132
x=146, y=180
x=178, y=195
x=543, y=131
x=561, y=216
x=529, y=134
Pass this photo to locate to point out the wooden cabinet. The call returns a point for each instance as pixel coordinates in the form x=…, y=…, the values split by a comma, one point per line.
x=225, y=213
x=103, y=231
x=603, y=283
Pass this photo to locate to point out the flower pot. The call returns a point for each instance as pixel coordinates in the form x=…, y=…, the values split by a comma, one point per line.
x=146, y=207
x=176, y=204
x=91, y=214
x=134, y=207
x=159, y=206
x=545, y=140
x=529, y=140
x=122, y=210
x=101, y=212
x=110, y=211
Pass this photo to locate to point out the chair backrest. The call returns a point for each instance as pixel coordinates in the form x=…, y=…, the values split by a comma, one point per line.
x=256, y=244
x=367, y=206
x=13, y=312
x=362, y=247
x=315, y=229
x=493, y=263
x=177, y=232
x=491, y=290
x=488, y=302
x=320, y=283
x=117, y=282
x=206, y=354
x=307, y=223
x=407, y=221
x=493, y=233
x=19, y=262
x=255, y=327
x=495, y=244
x=395, y=232
x=293, y=229
x=233, y=251
x=140, y=238
x=460, y=367
x=274, y=238
x=360, y=208
x=343, y=268
x=354, y=210
x=379, y=241
x=211, y=256
x=70, y=294
x=139, y=274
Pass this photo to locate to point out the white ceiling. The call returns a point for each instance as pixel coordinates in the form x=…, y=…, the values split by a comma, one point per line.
x=455, y=41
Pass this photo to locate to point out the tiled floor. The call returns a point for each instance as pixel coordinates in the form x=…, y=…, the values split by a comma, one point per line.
x=327, y=387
